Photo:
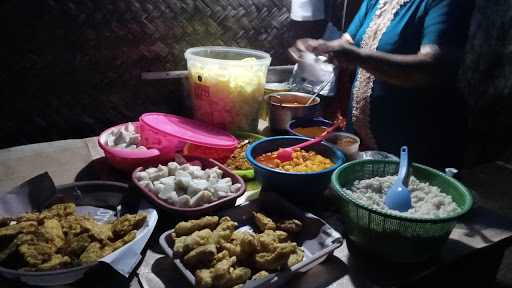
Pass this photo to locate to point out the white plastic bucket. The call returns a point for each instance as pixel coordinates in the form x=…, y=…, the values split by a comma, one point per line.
x=227, y=85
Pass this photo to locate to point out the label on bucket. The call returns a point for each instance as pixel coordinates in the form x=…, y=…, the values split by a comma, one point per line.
x=202, y=95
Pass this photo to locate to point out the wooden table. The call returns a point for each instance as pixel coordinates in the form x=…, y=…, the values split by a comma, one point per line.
x=471, y=256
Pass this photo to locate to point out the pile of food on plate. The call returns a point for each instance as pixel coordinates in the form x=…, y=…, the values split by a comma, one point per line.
x=59, y=238
x=237, y=160
x=427, y=201
x=221, y=257
x=186, y=185
x=303, y=161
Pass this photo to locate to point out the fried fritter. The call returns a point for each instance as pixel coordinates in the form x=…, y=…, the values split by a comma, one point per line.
x=59, y=211
x=76, y=246
x=220, y=257
x=267, y=240
x=57, y=261
x=52, y=231
x=234, y=277
x=188, y=227
x=57, y=238
x=15, y=229
x=243, y=245
x=290, y=226
x=276, y=259
x=92, y=253
x=185, y=244
x=296, y=257
x=101, y=232
x=261, y=274
x=36, y=253
x=263, y=222
x=201, y=256
x=206, y=278
x=223, y=232
x=127, y=223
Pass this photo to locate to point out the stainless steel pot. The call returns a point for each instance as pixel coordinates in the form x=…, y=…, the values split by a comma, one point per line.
x=284, y=107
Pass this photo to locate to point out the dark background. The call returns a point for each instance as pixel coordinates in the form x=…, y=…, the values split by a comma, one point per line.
x=72, y=68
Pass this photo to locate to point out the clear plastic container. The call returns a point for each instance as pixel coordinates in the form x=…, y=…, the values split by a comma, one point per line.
x=227, y=85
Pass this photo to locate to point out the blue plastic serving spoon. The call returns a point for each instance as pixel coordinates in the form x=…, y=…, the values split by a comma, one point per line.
x=398, y=197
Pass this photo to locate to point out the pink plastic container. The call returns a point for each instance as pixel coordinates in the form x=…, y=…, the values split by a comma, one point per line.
x=128, y=160
x=169, y=133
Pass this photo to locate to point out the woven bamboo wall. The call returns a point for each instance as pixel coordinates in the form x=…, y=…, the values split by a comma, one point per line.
x=72, y=68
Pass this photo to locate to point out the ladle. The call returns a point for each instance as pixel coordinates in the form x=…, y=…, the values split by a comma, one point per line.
x=286, y=154
x=398, y=197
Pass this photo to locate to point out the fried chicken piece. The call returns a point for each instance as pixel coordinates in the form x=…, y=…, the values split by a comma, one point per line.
x=93, y=253
x=201, y=256
x=57, y=261
x=267, y=240
x=52, y=231
x=76, y=246
x=188, y=227
x=223, y=232
x=263, y=222
x=259, y=275
x=276, y=259
x=296, y=257
x=15, y=229
x=290, y=226
x=34, y=216
x=127, y=223
x=185, y=244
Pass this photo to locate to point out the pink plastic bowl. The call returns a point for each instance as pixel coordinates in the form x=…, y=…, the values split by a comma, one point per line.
x=128, y=160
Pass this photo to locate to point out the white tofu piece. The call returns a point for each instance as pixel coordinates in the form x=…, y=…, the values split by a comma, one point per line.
x=156, y=173
x=197, y=185
x=185, y=167
x=182, y=180
x=172, y=167
x=183, y=201
x=169, y=181
x=214, y=171
x=171, y=197
x=198, y=173
x=226, y=181
x=133, y=139
x=110, y=141
x=235, y=187
x=201, y=198
x=141, y=175
x=148, y=185
x=163, y=170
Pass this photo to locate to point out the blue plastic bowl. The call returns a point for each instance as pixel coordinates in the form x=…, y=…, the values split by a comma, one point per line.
x=293, y=185
x=308, y=122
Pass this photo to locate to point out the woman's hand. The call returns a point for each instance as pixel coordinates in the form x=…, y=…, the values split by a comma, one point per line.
x=305, y=45
x=341, y=51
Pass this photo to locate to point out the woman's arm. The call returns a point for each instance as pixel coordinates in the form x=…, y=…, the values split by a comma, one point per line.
x=428, y=67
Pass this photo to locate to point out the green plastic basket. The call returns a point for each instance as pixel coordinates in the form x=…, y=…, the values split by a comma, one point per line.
x=395, y=237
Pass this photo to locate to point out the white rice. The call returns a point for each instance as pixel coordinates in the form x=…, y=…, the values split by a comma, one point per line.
x=427, y=200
